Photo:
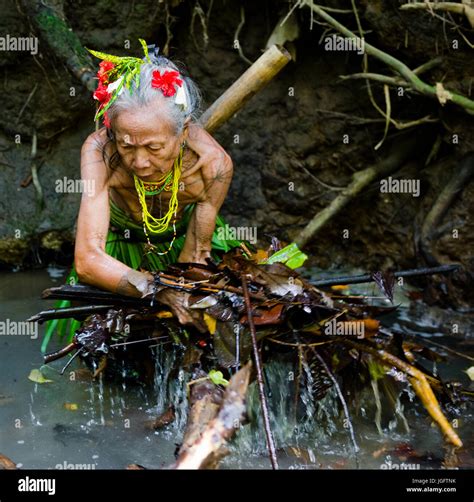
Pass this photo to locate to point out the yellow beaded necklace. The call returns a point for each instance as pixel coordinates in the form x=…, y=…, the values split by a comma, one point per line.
x=168, y=182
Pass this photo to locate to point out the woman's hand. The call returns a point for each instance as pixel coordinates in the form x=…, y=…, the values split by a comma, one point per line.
x=178, y=301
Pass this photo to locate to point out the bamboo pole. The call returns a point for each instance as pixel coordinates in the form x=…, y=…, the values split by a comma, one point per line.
x=269, y=64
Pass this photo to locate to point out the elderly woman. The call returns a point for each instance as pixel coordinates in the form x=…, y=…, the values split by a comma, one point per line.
x=159, y=182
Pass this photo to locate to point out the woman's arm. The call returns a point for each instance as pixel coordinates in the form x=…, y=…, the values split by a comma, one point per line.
x=217, y=176
x=93, y=265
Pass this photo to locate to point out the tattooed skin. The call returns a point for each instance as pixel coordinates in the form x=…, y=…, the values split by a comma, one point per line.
x=143, y=143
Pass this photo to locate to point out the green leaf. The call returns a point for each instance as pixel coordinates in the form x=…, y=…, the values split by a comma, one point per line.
x=118, y=60
x=37, y=377
x=217, y=378
x=145, y=50
x=376, y=370
x=290, y=255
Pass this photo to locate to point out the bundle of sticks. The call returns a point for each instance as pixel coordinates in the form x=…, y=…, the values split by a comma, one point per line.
x=240, y=303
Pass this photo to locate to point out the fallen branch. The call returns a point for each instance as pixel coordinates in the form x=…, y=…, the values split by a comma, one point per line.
x=252, y=81
x=205, y=399
x=49, y=19
x=209, y=446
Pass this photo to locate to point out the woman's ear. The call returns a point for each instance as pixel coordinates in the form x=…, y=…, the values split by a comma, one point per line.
x=186, y=129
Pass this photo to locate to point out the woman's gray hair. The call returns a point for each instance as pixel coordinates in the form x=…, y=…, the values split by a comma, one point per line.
x=146, y=95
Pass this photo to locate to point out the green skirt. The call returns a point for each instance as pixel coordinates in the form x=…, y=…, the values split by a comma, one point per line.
x=126, y=242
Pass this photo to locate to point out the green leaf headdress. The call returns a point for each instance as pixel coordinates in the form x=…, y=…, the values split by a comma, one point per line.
x=115, y=73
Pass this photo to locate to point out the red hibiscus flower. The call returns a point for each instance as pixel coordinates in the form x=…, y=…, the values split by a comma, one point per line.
x=104, y=69
x=102, y=94
x=106, y=120
x=166, y=81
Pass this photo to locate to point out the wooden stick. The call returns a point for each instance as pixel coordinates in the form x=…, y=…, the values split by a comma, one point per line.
x=261, y=388
x=250, y=83
x=363, y=278
x=209, y=445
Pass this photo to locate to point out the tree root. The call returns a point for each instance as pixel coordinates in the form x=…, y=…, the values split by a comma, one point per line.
x=457, y=8
x=430, y=229
x=361, y=179
x=48, y=18
x=401, y=68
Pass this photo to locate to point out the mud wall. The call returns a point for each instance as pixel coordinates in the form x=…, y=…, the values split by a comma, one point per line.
x=298, y=142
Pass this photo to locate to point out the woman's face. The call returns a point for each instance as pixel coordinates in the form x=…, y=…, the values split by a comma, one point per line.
x=147, y=142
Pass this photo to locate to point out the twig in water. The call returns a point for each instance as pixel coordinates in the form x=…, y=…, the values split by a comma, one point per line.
x=71, y=360
x=258, y=365
x=344, y=405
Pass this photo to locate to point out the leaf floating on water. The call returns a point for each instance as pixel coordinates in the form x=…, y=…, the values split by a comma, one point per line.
x=37, y=377
x=470, y=373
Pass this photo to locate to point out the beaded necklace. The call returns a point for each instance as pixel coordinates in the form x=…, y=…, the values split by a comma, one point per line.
x=168, y=182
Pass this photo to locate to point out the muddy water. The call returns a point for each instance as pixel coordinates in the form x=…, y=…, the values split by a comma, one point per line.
x=76, y=423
